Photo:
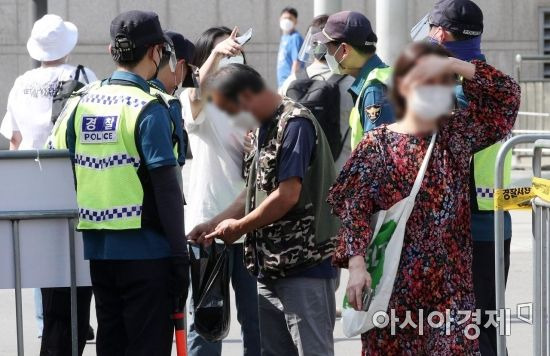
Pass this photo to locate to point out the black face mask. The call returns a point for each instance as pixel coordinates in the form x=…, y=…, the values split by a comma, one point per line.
x=157, y=67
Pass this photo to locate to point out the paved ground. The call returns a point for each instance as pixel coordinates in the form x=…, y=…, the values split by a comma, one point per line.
x=518, y=291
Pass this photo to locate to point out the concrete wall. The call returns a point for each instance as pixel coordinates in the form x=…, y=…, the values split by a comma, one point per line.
x=511, y=27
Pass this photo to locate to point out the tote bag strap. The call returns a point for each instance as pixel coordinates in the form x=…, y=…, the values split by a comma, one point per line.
x=423, y=168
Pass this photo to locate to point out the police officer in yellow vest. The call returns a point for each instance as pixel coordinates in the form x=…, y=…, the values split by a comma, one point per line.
x=457, y=25
x=351, y=49
x=129, y=200
x=175, y=70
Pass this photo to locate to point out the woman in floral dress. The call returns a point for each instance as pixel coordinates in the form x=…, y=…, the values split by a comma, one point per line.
x=434, y=271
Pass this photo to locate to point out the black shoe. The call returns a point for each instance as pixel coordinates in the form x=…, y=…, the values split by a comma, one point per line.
x=91, y=335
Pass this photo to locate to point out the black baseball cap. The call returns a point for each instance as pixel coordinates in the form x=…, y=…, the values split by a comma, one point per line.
x=347, y=26
x=140, y=28
x=458, y=16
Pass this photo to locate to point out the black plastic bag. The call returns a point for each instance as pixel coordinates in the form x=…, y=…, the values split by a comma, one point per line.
x=210, y=281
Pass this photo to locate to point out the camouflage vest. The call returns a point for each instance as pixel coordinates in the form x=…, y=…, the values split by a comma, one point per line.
x=306, y=235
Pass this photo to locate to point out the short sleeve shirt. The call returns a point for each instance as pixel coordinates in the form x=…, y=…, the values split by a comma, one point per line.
x=215, y=179
x=29, y=108
x=295, y=157
x=289, y=47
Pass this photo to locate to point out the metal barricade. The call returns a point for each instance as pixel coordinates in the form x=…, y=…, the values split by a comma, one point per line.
x=15, y=218
x=540, y=324
x=541, y=262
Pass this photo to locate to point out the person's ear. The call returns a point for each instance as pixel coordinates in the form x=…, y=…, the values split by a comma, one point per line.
x=110, y=48
x=446, y=36
x=402, y=89
x=345, y=50
x=440, y=34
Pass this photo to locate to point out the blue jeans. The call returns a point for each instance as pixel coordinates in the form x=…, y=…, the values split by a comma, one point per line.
x=246, y=299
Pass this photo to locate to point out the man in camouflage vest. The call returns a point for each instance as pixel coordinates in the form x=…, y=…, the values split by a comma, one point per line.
x=290, y=233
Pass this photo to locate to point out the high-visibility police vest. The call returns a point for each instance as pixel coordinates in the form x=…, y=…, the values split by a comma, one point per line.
x=381, y=75
x=109, y=191
x=484, y=174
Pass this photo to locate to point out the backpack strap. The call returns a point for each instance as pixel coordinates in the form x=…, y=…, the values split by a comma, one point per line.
x=302, y=74
x=336, y=78
x=80, y=69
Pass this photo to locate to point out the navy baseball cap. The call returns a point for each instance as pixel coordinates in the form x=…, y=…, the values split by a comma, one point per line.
x=136, y=29
x=459, y=16
x=347, y=26
x=185, y=50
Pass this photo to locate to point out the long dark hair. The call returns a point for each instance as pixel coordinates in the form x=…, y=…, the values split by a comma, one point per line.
x=404, y=63
x=205, y=43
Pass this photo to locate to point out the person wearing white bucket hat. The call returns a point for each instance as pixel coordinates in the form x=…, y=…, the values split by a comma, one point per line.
x=52, y=38
x=27, y=124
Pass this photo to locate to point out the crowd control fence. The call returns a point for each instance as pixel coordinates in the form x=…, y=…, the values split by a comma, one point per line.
x=541, y=248
x=37, y=215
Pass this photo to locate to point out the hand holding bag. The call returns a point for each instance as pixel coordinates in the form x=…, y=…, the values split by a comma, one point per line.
x=383, y=255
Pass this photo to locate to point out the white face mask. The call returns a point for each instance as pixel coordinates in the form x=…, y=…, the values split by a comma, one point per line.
x=228, y=60
x=286, y=25
x=245, y=120
x=431, y=102
x=332, y=63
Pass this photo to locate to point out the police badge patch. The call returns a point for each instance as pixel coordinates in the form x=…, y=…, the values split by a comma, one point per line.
x=373, y=112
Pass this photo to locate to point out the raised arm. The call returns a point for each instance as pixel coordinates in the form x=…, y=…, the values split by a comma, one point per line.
x=494, y=100
x=226, y=48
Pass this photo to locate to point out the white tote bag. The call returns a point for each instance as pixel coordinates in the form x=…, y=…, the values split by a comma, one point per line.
x=383, y=255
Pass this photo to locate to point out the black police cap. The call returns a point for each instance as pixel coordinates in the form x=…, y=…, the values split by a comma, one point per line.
x=458, y=16
x=136, y=29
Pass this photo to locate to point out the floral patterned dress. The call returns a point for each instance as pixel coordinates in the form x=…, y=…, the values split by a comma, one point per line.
x=434, y=272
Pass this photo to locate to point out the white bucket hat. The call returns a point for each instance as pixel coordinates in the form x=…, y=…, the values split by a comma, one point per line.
x=51, y=38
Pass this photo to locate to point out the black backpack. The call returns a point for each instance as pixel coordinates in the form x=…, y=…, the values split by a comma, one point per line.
x=322, y=98
x=65, y=89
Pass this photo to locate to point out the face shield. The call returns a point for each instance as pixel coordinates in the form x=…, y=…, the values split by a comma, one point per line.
x=305, y=53
x=421, y=30
x=169, y=50
x=311, y=50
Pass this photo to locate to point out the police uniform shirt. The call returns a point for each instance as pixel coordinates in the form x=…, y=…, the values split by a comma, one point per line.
x=154, y=142
x=374, y=107
x=29, y=106
x=176, y=115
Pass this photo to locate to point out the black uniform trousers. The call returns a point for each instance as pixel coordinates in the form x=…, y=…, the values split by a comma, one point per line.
x=484, y=288
x=133, y=306
x=56, y=306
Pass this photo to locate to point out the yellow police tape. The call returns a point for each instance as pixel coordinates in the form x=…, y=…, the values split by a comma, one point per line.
x=520, y=198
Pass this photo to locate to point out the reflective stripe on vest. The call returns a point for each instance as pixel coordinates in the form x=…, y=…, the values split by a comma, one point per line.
x=119, y=212
x=109, y=191
x=58, y=136
x=119, y=159
x=484, y=169
x=381, y=75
